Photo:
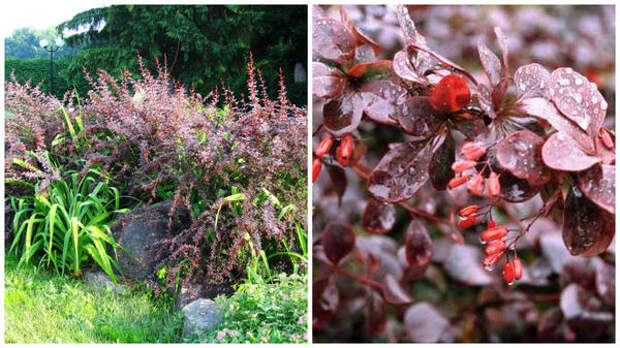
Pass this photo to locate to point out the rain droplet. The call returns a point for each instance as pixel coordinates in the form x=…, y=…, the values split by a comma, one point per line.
x=603, y=104
x=578, y=81
x=577, y=97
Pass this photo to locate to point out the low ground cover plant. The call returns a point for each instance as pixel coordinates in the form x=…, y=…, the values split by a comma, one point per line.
x=459, y=172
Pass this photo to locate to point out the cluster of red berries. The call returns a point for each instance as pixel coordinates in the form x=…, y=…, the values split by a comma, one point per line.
x=471, y=153
x=344, y=153
x=494, y=236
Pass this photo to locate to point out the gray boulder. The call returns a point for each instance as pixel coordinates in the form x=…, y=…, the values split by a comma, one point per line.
x=200, y=316
x=139, y=231
x=100, y=280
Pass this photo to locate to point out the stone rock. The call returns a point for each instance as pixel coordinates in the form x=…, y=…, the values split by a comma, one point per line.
x=100, y=280
x=200, y=316
x=139, y=231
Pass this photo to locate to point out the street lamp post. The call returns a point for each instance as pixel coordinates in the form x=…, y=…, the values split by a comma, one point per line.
x=51, y=48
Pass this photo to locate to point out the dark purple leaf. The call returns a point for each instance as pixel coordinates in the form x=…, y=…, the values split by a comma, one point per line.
x=561, y=152
x=332, y=41
x=576, y=307
x=325, y=301
x=381, y=251
x=338, y=240
x=531, y=81
x=339, y=181
x=599, y=184
x=327, y=82
x=401, y=172
x=485, y=100
x=498, y=93
x=544, y=109
x=378, y=217
x=381, y=98
x=519, y=153
x=578, y=99
x=417, y=117
x=418, y=245
x=464, y=263
x=549, y=325
x=343, y=115
x=375, y=313
x=440, y=169
x=404, y=69
x=491, y=64
x=393, y=292
x=587, y=229
x=516, y=190
x=470, y=128
x=424, y=324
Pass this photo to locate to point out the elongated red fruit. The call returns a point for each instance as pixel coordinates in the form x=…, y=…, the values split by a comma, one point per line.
x=458, y=181
x=450, y=94
x=517, y=266
x=491, y=223
x=324, y=147
x=489, y=261
x=495, y=247
x=345, y=150
x=468, y=222
x=462, y=165
x=494, y=187
x=508, y=272
x=472, y=151
x=494, y=233
x=476, y=185
x=468, y=210
x=316, y=168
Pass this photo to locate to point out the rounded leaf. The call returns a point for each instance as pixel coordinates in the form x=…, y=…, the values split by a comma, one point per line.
x=332, y=41
x=327, y=82
x=516, y=190
x=418, y=245
x=519, y=153
x=418, y=118
x=440, y=169
x=531, y=80
x=404, y=69
x=424, y=324
x=599, y=184
x=393, y=292
x=381, y=98
x=338, y=241
x=588, y=230
x=378, y=217
x=491, y=64
x=325, y=301
x=561, y=152
x=343, y=115
x=376, y=319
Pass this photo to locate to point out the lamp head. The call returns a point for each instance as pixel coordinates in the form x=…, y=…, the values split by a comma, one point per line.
x=59, y=42
x=43, y=43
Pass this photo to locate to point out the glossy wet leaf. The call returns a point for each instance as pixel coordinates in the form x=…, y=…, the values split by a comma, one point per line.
x=440, y=169
x=412, y=36
x=516, y=190
x=562, y=152
x=374, y=312
x=545, y=109
x=332, y=41
x=404, y=69
x=378, y=217
x=471, y=129
x=485, y=100
x=343, y=115
x=502, y=43
x=401, y=172
x=520, y=154
x=380, y=67
x=587, y=229
x=491, y=64
x=418, y=245
x=325, y=300
x=599, y=184
x=393, y=292
x=531, y=81
x=381, y=98
x=338, y=177
x=418, y=118
x=364, y=54
x=424, y=324
x=578, y=99
x=338, y=241
x=327, y=82
x=463, y=263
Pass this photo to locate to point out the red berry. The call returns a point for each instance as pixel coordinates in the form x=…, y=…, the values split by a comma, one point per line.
x=345, y=150
x=458, y=181
x=494, y=233
x=462, y=165
x=495, y=189
x=517, y=267
x=606, y=138
x=495, y=247
x=450, y=94
x=316, y=168
x=324, y=147
x=472, y=151
x=476, y=185
x=468, y=210
x=508, y=272
x=491, y=223
x=489, y=261
x=468, y=222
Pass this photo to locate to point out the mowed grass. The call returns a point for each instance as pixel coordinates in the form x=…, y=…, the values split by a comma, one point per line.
x=41, y=307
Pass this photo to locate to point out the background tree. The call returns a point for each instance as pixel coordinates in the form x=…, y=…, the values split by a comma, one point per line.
x=24, y=43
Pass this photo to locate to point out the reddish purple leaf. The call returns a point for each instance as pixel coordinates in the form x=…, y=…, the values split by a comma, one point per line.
x=364, y=54
x=544, y=109
x=404, y=69
x=418, y=245
x=412, y=36
x=519, y=153
x=378, y=217
x=339, y=181
x=491, y=64
x=401, y=172
x=531, y=81
x=338, y=241
x=516, y=190
x=440, y=169
x=599, y=184
x=464, y=263
x=343, y=115
x=327, y=82
x=424, y=324
x=578, y=99
x=375, y=313
x=325, y=301
x=417, y=117
x=502, y=43
x=588, y=230
x=381, y=98
x=485, y=100
x=561, y=152
x=605, y=282
x=471, y=129
x=332, y=41
x=393, y=292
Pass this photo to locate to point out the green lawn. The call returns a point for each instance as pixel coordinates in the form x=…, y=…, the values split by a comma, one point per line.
x=44, y=308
